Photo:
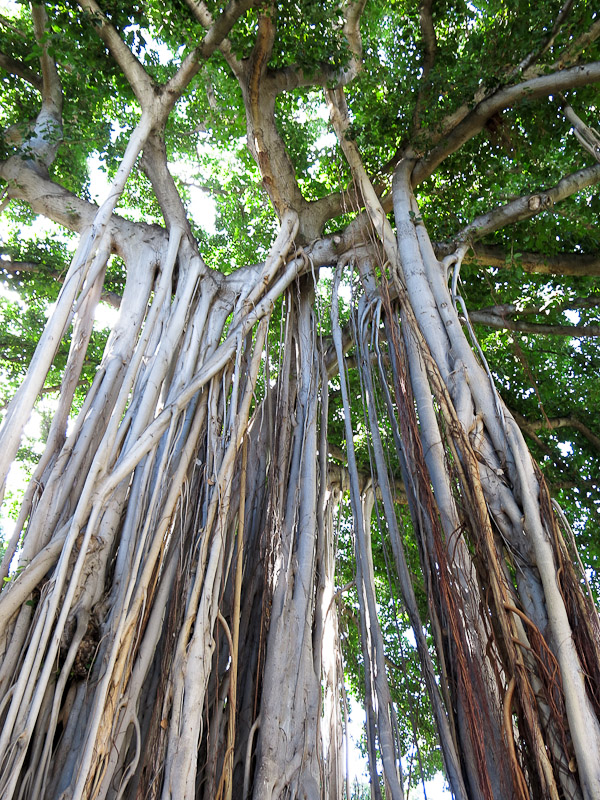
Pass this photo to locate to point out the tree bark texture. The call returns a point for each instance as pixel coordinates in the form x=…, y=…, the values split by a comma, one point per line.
x=170, y=628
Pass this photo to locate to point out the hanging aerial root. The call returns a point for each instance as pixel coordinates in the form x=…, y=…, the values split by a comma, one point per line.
x=465, y=464
x=581, y=610
x=434, y=556
x=449, y=751
x=225, y=784
x=91, y=253
x=373, y=642
x=191, y=667
x=521, y=783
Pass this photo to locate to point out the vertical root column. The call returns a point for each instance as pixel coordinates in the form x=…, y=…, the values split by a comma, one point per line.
x=454, y=375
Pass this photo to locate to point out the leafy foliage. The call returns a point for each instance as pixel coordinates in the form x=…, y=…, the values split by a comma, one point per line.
x=395, y=102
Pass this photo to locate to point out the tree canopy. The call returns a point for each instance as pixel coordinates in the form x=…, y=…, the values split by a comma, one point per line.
x=279, y=457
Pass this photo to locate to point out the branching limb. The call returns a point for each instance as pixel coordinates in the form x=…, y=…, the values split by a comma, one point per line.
x=264, y=140
x=496, y=256
x=492, y=320
x=466, y=121
x=293, y=77
x=15, y=67
x=429, y=47
x=48, y=390
x=65, y=208
x=214, y=39
x=532, y=427
x=17, y=267
x=535, y=55
x=510, y=309
x=529, y=205
x=9, y=24
x=257, y=66
x=139, y=80
x=52, y=200
x=154, y=164
x=260, y=87
x=505, y=97
x=201, y=14
x=338, y=111
x=353, y=10
x=572, y=52
x=38, y=141
x=51, y=86
x=219, y=29
x=588, y=137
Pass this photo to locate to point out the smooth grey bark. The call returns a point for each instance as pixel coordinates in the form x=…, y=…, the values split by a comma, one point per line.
x=116, y=679
x=287, y=755
x=372, y=643
x=432, y=303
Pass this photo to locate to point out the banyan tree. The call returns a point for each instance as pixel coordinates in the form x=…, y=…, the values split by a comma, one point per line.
x=345, y=438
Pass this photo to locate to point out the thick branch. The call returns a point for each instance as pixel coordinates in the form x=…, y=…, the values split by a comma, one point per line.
x=563, y=264
x=136, y=75
x=52, y=98
x=338, y=111
x=293, y=77
x=500, y=322
x=141, y=83
x=65, y=208
x=572, y=52
x=260, y=86
x=264, y=140
x=7, y=23
x=48, y=390
x=450, y=122
x=509, y=309
x=429, y=47
x=528, y=206
x=154, y=164
x=201, y=13
x=38, y=140
x=17, y=267
x=506, y=97
x=15, y=67
x=533, y=426
x=573, y=422
x=219, y=29
x=587, y=136
x=353, y=10
x=217, y=34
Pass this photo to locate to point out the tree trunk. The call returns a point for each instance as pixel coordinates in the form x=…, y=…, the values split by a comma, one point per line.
x=168, y=618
